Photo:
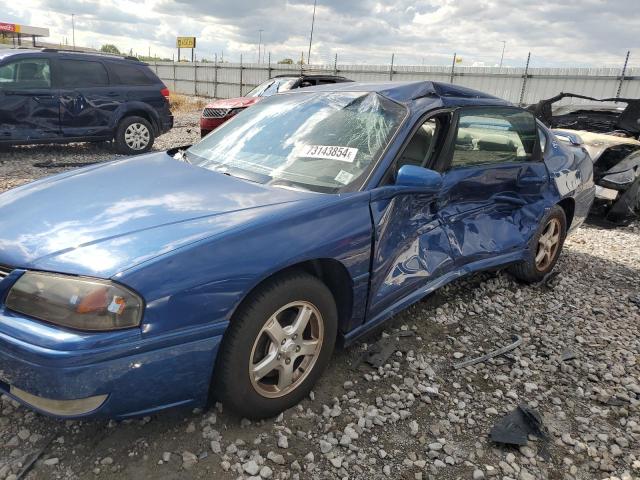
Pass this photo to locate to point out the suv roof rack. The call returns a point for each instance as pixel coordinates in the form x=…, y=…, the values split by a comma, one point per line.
x=68, y=50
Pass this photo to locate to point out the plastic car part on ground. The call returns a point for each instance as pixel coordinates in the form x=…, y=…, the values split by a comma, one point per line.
x=515, y=428
x=516, y=342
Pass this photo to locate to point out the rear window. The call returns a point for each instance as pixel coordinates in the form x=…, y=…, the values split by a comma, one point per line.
x=132, y=74
x=82, y=73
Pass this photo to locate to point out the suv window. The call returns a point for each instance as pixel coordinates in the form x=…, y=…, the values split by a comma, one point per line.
x=131, y=74
x=26, y=74
x=494, y=135
x=82, y=73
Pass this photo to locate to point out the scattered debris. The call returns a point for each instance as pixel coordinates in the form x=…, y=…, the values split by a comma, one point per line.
x=567, y=355
x=517, y=340
x=514, y=428
x=549, y=279
x=379, y=352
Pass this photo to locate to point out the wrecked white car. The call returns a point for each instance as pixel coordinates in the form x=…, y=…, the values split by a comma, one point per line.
x=609, y=129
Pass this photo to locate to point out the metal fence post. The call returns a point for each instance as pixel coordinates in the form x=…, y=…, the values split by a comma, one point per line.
x=195, y=79
x=335, y=65
x=524, y=79
x=393, y=55
x=175, y=78
x=453, y=67
x=269, y=66
x=215, y=77
x=624, y=71
x=240, y=74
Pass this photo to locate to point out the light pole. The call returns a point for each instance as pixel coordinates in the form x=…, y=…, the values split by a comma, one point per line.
x=504, y=45
x=73, y=30
x=259, y=43
x=313, y=21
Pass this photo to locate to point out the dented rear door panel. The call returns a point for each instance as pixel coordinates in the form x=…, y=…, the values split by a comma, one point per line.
x=491, y=210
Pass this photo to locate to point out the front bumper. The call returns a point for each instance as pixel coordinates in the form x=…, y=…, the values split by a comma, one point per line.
x=69, y=374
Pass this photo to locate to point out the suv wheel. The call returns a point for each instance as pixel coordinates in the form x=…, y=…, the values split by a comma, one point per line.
x=134, y=136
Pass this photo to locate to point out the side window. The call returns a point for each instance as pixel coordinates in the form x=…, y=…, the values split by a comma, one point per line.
x=82, y=73
x=131, y=74
x=25, y=74
x=326, y=81
x=494, y=135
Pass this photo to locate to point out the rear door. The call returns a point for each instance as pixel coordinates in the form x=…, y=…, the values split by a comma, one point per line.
x=29, y=107
x=495, y=183
x=87, y=100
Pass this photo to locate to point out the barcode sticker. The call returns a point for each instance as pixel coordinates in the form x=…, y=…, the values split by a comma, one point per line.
x=343, y=177
x=343, y=154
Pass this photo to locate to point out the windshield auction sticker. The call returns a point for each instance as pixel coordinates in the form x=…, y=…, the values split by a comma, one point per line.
x=328, y=152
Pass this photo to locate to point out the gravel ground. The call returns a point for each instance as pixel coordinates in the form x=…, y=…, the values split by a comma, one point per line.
x=415, y=417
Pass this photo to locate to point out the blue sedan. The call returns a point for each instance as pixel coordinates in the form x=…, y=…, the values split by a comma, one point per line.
x=229, y=269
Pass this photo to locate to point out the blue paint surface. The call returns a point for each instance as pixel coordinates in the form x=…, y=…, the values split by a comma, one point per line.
x=193, y=243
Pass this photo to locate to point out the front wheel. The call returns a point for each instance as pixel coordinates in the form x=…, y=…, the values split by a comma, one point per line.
x=544, y=249
x=277, y=346
x=134, y=135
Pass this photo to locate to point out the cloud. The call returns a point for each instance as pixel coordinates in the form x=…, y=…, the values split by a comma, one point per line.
x=586, y=33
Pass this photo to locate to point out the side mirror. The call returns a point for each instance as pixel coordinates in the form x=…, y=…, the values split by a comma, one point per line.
x=412, y=176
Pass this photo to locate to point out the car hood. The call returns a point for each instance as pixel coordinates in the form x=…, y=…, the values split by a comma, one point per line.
x=234, y=102
x=106, y=218
x=597, y=143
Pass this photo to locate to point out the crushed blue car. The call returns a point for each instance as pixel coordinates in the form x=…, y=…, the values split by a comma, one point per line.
x=231, y=268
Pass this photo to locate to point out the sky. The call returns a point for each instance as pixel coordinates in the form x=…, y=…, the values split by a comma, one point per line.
x=589, y=33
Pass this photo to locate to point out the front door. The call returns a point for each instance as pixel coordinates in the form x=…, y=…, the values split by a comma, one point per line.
x=411, y=247
x=494, y=184
x=29, y=107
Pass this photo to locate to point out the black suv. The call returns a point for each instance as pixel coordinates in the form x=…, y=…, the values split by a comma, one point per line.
x=55, y=96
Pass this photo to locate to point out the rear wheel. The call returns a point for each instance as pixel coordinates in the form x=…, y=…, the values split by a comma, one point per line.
x=277, y=346
x=544, y=249
x=134, y=135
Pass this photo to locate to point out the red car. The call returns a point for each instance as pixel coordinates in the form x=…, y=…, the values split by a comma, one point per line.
x=218, y=112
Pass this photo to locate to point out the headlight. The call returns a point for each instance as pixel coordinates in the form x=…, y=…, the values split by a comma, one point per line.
x=75, y=302
x=621, y=178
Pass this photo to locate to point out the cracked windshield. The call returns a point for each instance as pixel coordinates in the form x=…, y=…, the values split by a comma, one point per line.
x=321, y=142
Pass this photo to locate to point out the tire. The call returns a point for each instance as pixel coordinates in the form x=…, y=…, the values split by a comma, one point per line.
x=134, y=136
x=247, y=344
x=532, y=270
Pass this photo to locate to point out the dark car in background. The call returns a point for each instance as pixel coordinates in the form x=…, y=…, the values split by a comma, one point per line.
x=56, y=96
x=218, y=112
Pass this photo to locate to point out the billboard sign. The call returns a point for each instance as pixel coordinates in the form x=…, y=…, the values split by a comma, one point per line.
x=186, y=42
x=9, y=27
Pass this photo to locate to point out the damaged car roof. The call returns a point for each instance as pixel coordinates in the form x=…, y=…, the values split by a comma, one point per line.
x=603, y=116
x=408, y=91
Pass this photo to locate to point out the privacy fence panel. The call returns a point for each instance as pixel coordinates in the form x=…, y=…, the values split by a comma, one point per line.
x=228, y=80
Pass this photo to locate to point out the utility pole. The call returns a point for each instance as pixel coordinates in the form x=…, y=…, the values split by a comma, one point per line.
x=259, y=43
x=73, y=29
x=504, y=45
x=313, y=21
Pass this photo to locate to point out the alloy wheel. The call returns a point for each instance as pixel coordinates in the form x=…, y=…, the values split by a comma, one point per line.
x=137, y=136
x=548, y=244
x=286, y=349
